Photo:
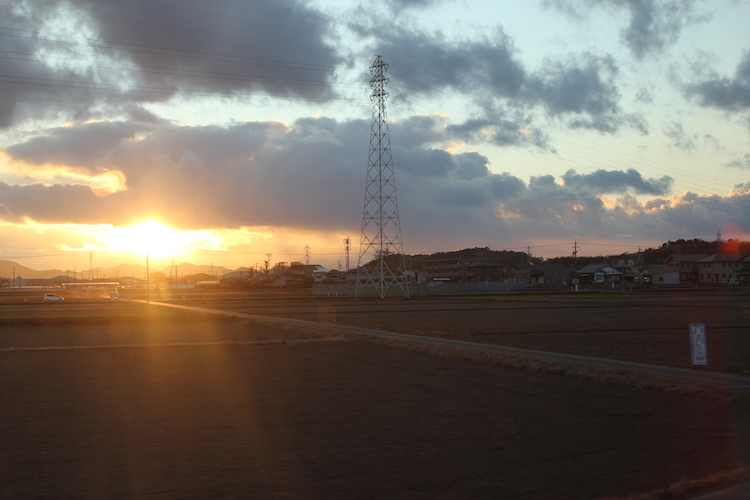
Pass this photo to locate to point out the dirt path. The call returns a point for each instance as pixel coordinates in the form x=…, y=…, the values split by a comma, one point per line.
x=253, y=413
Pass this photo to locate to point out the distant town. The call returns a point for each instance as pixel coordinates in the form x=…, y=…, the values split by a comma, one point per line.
x=693, y=262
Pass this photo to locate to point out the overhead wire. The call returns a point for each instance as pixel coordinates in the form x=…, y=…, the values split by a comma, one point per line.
x=486, y=109
x=470, y=133
x=272, y=63
x=515, y=126
x=278, y=63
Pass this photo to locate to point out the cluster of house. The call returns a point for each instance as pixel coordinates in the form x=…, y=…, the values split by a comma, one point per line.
x=294, y=275
x=678, y=269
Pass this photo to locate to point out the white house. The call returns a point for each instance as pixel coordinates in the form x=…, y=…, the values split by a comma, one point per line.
x=719, y=268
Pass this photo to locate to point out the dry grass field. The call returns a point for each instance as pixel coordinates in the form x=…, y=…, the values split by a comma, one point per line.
x=116, y=400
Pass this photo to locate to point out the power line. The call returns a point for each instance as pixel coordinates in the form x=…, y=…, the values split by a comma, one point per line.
x=165, y=51
x=513, y=127
x=218, y=57
x=423, y=93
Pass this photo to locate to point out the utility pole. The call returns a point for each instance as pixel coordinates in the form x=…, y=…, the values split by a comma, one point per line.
x=381, y=228
x=575, y=263
x=148, y=280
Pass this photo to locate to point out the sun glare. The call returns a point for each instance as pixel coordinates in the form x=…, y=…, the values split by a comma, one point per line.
x=151, y=237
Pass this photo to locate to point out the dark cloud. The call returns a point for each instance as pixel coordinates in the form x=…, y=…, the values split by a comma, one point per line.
x=311, y=174
x=654, y=24
x=398, y=6
x=420, y=130
x=424, y=162
x=586, y=88
x=505, y=186
x=645, y=96
x=471, y=165
x=679, y=138
x=30, y=86
x=551, y=207
x=58, y=204
x=616, y=181
x=741, y=163
x=248, y=174
x=489, y=65
x=82, y=146
x=227, y=46
x=517, y=130
x=143, y=51
x=581, y=90
x=730, y=94
x=139, y=114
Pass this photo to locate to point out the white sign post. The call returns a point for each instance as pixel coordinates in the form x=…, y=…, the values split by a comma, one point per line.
x=698, y=343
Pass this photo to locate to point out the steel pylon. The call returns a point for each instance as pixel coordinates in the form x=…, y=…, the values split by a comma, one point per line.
x=381, y=268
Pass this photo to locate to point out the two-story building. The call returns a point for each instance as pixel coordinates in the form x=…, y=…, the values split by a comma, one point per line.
x=719, y=268
x=743, y=272
x=682, y=269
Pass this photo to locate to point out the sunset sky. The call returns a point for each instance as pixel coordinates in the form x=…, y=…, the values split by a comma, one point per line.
x=217, y=132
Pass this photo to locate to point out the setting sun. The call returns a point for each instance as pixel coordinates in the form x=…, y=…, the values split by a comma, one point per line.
x=150, y=237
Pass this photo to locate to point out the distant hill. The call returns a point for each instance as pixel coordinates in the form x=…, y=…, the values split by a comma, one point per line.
x=123, y=270
x=654, y=256
x=509, y=259
x=8, y=267
x=504, y=257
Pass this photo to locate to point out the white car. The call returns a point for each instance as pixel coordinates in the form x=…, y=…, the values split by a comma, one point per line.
x=51, y=297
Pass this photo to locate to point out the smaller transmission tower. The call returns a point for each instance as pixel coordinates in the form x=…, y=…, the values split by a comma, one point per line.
x=380, y=250
x=306, y=255
x=347, y=248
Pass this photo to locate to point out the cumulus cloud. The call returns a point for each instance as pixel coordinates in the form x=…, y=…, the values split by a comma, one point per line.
x=586, y=88
x=310, y=174
x=81, y=146
x=490, y=64
x=581, y=90
x=617, y=181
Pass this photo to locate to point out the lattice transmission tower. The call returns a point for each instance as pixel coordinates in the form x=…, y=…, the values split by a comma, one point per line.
x=382, y=265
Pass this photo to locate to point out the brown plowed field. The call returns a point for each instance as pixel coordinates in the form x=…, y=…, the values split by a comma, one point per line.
x=116, y=400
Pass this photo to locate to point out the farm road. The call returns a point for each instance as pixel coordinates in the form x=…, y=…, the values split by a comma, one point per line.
x=650, y=329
